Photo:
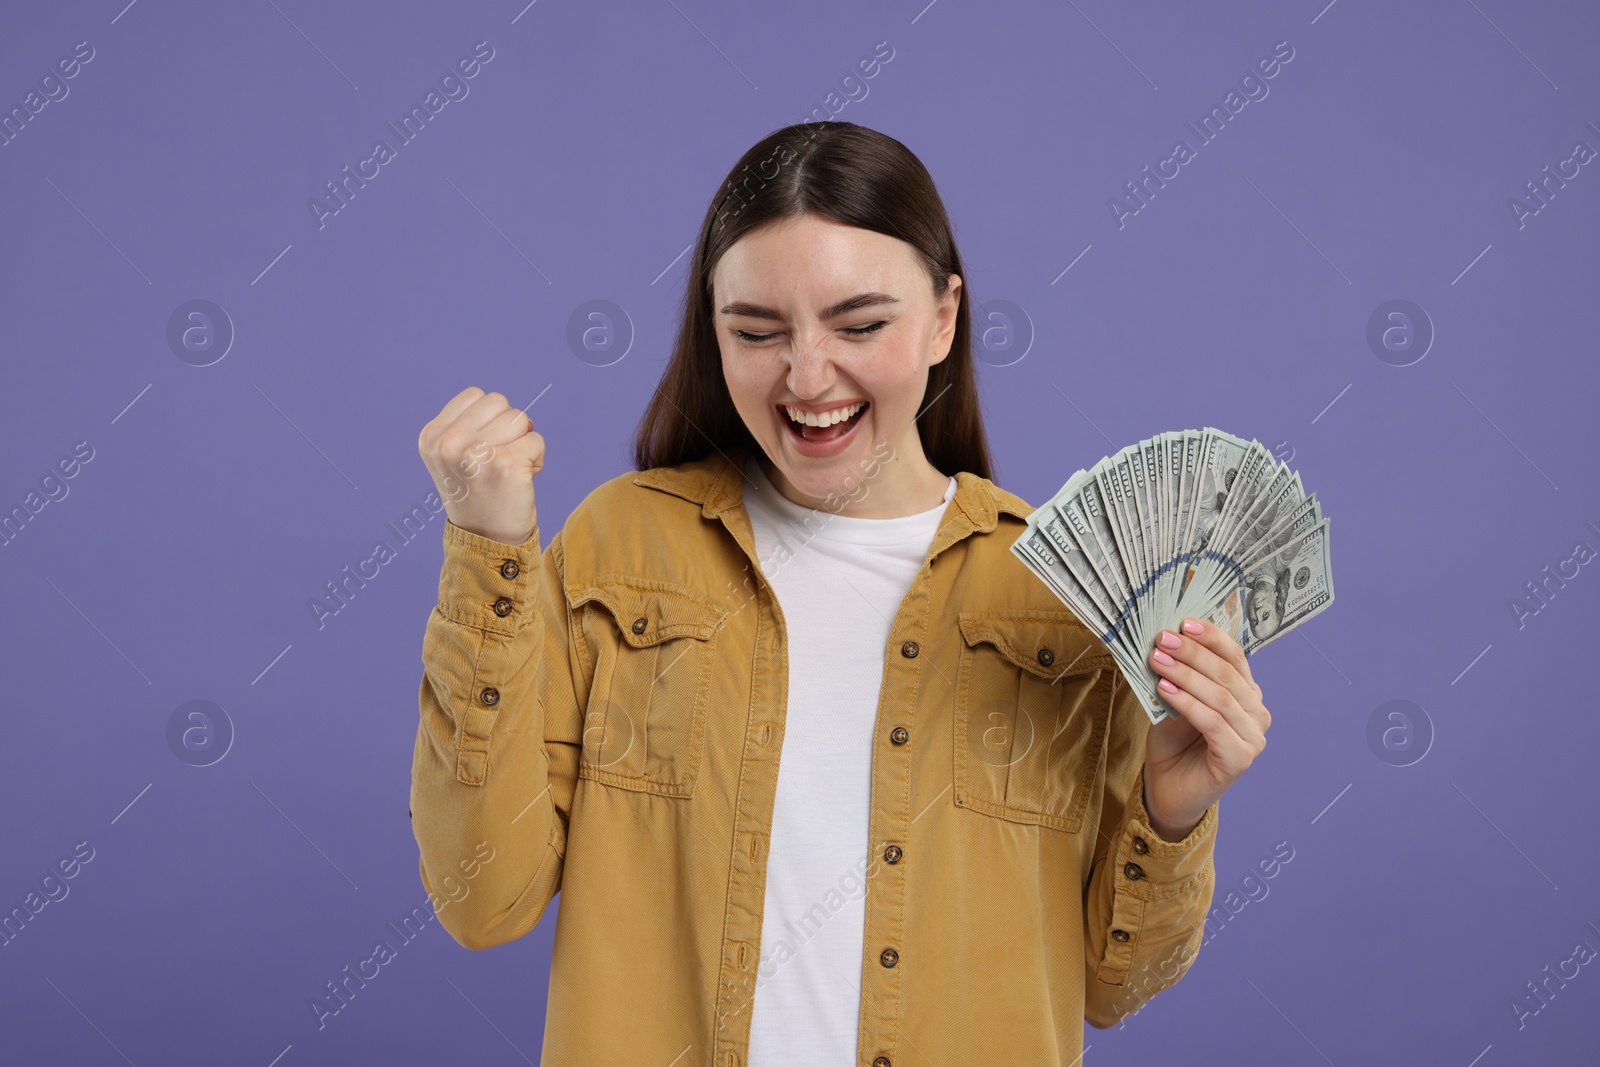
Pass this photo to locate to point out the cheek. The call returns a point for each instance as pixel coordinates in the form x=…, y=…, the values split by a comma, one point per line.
x=880, y=369
x=750, y=384
x=892, y=374
x=738, y=380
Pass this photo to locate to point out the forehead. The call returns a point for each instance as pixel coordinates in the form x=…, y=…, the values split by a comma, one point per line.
x=810, y=259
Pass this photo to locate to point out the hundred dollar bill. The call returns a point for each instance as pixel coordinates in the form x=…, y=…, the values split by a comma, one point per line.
x=1279, y=591
x=1187, y=523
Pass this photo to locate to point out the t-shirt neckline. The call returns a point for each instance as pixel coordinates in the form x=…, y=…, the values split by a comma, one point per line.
x=832, y=526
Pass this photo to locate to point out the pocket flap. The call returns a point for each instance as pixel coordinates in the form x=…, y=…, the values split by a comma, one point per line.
x=1044, y=642
x=650, y=612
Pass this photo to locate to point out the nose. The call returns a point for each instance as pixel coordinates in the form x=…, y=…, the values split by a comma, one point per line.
x=811, y=370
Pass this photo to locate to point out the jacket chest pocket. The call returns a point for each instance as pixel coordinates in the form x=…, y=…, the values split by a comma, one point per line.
x=1031, y=712
x=652, y=645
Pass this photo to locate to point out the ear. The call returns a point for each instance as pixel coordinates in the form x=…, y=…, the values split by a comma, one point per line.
x=943, y=336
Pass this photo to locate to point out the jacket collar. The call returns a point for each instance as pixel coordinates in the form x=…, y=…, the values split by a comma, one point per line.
x=715, y=483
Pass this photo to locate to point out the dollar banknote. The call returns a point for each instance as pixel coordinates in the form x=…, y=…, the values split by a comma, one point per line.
x=1186, y=524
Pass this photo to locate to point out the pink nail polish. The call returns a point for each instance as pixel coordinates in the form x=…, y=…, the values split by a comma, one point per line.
x=1168, y=639
x=1191, y=627
x=1166, y=686
x=1162, y=658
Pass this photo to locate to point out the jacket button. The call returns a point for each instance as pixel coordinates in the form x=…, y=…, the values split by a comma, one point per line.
x=1139, y=846
x=1133, y=871
x=1046, y=657
x=899, y=735
x=490, y=695
x=881, y=1061
x=892, y=854
x=502, y=607
x=639, y=625
x=889, y=957
x=909, y=650
x=509, y=569
x=1119, y=935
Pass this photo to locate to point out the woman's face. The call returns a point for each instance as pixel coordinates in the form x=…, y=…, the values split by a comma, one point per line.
x=828, y=319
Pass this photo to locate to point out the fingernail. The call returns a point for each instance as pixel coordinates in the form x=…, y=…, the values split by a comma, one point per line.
x=1162, y=658
x=1191, y=627
x=1168, y=639
x=1166, y=686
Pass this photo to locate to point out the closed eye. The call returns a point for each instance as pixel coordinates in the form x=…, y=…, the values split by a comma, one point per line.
x=854, y=331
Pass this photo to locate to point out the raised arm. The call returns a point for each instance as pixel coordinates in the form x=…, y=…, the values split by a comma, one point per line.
x=496, y=757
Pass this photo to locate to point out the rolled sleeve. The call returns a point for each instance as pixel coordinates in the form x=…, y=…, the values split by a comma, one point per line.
x=1147, y=897
x=479, y=574
x=1167, y=862
x=498, y=739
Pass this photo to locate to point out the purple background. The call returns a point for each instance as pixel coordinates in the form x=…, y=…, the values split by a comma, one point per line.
x=220, y=499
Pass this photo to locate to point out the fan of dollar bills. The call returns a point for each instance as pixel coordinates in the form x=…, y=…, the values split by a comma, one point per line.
x=1188, y=524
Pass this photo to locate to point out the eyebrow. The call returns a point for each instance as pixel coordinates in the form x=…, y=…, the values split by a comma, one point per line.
x=854, y=303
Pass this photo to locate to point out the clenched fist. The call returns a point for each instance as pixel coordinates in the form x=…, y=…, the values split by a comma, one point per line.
x=483, y=454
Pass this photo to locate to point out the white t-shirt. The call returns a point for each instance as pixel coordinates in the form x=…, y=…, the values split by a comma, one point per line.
x=839, y=583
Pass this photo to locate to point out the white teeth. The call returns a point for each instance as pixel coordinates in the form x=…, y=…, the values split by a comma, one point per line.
x=827, y=418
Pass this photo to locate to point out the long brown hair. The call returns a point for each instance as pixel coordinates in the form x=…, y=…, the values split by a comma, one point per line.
x=852, y=175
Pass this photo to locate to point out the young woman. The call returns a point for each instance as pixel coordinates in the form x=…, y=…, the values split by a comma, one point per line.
x=824, y=774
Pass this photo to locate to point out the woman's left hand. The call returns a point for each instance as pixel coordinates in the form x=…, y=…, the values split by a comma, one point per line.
x=1192, y=758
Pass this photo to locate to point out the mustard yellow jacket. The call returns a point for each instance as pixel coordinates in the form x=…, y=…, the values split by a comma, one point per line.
x=608, y=717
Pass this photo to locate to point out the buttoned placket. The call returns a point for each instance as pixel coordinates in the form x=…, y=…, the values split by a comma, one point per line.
x=893, y=749
x=489, y=696
x=753, y=807
x=890, y=814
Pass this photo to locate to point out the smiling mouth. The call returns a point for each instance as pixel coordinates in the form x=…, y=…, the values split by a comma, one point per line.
x=822, y=433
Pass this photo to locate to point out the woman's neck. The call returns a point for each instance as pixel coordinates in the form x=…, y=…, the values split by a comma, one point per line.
x=892, y=488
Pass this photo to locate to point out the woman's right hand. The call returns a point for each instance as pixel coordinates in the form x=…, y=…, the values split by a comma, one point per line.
x=483, y=454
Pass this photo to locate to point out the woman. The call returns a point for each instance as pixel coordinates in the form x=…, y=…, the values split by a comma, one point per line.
x=976, y=839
